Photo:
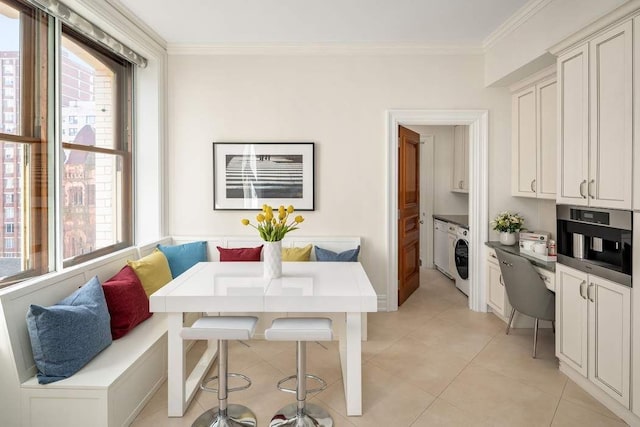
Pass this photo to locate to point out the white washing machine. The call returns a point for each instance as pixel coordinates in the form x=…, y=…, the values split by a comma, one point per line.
x=461, y=251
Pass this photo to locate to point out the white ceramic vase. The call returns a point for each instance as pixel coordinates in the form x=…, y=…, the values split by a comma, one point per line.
x=272, y=259
x=507, y=238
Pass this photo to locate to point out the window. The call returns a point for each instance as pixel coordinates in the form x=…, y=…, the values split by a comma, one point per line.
x=96, y=174
x=94, y=86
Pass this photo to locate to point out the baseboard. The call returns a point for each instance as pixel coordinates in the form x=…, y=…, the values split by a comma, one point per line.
x=602, y=397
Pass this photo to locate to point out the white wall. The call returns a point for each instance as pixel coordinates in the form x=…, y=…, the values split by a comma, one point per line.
x=444, y=200
x=529, y=42
x=338, y=102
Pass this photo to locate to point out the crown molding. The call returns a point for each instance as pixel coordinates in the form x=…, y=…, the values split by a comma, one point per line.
x=320, y=49
x=622, y=13
x=516, y=20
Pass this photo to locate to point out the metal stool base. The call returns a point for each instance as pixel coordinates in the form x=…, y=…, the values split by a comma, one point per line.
x=237, y=416
x=313, y=416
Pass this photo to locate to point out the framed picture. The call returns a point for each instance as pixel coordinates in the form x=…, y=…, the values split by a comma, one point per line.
x=248, y=175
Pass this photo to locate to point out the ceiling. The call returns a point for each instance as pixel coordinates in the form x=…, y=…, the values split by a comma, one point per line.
x=441, y=23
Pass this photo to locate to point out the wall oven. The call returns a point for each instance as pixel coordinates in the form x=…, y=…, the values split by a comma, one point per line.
x=597, y=241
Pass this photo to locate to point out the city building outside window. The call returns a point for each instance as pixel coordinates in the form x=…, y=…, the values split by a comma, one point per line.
x=94, y=104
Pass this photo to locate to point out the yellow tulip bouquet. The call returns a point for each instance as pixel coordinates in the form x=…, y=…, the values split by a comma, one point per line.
x=273, y=226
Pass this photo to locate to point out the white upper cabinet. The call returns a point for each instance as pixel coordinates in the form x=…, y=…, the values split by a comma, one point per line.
x=460, y=176
x=595, y=135
x=547, y=138
x=534, y=135
x=636, y=121
x=573, y=132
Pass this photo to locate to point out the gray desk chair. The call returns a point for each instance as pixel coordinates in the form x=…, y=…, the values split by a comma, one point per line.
x=526, y=291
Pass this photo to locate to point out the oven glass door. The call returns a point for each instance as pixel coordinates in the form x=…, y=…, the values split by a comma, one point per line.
x=462, y=259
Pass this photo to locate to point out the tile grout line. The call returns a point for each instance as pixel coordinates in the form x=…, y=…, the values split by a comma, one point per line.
x=555, y=412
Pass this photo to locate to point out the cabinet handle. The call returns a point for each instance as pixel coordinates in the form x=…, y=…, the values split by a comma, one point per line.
x=460, y=184
x=533, y=183
x=591, y=286
x=500, y=280
x=582, y=290
x=584, y=181
x=593, y=181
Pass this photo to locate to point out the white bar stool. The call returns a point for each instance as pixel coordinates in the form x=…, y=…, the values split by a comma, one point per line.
x=301, y=329
x=223, y=329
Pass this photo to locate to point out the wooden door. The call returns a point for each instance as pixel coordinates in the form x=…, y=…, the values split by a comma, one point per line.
x=523, y=143
x=408, y=212
x=610, y=337
x=571, y=317
x=547, y=135
x=573, y=130
x=610, y=96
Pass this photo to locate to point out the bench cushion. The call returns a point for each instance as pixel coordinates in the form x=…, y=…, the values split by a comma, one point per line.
x=127, y=302
x=183, y=257
x=152, y=270
x=65, y=336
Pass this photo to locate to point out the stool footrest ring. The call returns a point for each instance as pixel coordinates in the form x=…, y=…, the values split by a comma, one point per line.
x=323, y=384
x=206, y=381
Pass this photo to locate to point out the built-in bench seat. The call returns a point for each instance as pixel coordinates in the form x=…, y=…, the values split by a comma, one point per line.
x=113, y=387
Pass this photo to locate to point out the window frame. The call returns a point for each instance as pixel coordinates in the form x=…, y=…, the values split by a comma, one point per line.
x=122, y=138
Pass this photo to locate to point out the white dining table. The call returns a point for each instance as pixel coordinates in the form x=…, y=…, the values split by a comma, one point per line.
x=305, y=287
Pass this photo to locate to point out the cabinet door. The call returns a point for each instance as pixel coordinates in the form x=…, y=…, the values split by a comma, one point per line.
x=460, y=159
x=610, y=337
x=636, y=130
x=465, y=148
x=611, y=93
x=440, y=246
x=573, y=129
x=547, y=138
x=571, y=318
x=523, y=143
x=496, y=294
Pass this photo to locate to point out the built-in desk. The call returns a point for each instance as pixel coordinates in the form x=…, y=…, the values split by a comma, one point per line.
x=515, y=249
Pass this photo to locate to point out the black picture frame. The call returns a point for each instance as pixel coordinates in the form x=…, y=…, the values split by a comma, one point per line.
x=247, y=175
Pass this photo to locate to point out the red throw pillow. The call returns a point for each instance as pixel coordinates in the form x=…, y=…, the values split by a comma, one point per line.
x=127, y=302
x=240, y=254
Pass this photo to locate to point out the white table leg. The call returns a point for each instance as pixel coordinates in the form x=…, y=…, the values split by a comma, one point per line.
x=351, y=360
x=176, y=366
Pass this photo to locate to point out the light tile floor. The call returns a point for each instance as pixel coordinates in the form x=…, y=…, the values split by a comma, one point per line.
x=431, y=363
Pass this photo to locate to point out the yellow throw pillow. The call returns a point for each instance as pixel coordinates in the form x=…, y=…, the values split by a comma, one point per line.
x=152, y=270
x=297, y=254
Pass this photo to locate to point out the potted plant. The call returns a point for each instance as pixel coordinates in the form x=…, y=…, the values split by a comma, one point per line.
x=272, y=227
x=508, y=224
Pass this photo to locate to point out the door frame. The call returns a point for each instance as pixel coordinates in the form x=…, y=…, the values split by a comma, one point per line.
x=427, y=154
x=478, y=122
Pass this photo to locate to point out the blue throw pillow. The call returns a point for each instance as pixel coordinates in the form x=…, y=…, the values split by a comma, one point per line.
x=346, y=256
x=183, y=257
x=66, y=336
